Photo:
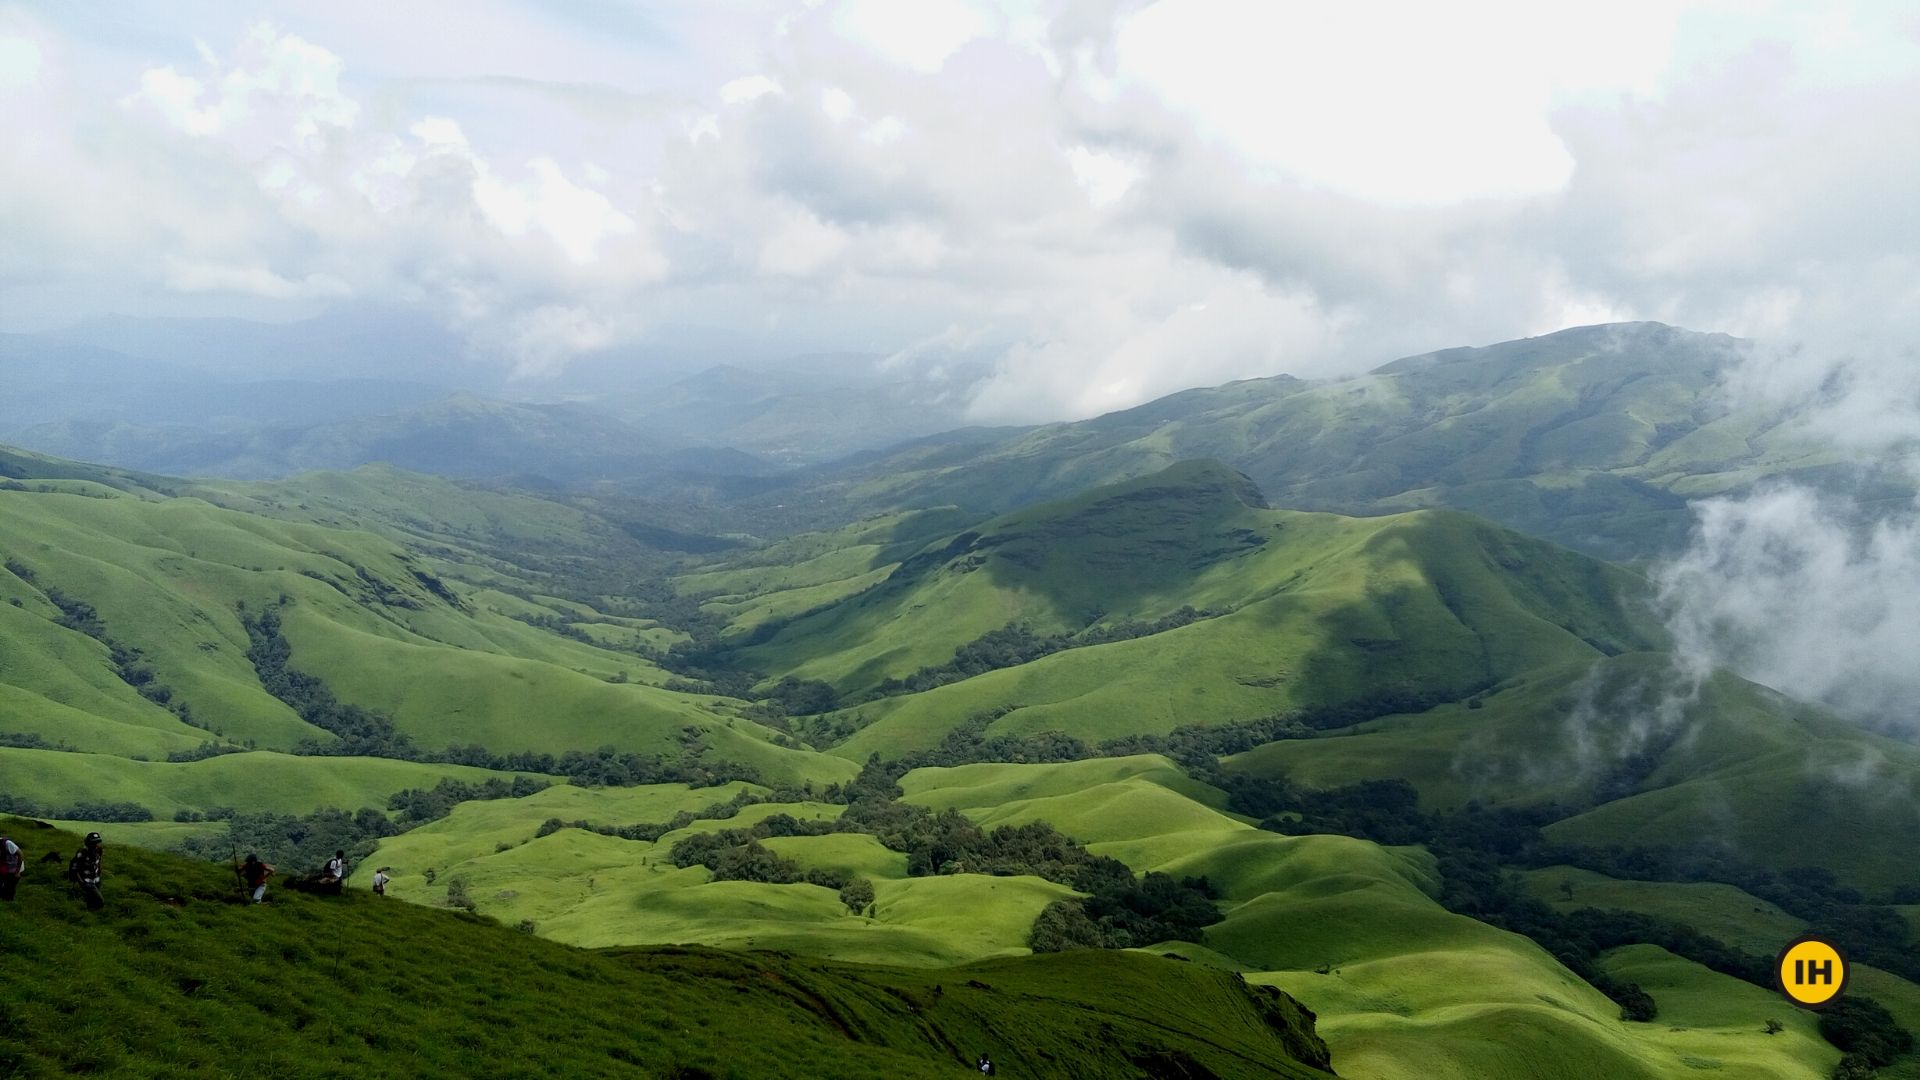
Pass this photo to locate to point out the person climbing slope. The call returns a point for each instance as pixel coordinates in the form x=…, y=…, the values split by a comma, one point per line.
x=85, y=871
x=255, y=873
x=13, y=863
x=334, y=873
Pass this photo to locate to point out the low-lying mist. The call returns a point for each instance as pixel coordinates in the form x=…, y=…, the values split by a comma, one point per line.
x=1813, y=586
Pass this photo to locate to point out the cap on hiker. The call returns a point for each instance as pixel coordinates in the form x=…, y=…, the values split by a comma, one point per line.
x=93, y=839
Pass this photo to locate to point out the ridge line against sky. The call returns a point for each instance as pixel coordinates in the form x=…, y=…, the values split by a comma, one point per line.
x=1099, y=202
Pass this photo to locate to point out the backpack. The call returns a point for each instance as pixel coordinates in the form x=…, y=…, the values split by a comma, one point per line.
x=12, y=859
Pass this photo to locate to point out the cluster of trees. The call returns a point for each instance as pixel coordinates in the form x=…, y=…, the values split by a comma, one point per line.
x=417, y=806
x=209, y=749
x=718, y=811
x=80, y=811
x=554, y=624
x=29, y=740
x=128, y=662
x=1196, y=747
x=363, y=732
x=1472, y=850
x=1475, y=845
x=1122, y=912
x=1872, y=933
x=1017, y=643
x=734, y=855
x=295, y=842
x=1866, y=1033
x=648, y=831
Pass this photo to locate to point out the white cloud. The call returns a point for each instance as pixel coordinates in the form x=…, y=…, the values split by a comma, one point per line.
x=279, y=85
x=836, y=103
x=1783, y=587
x=800, y=244
x=747, y=89
x=1106, y=177
x=1112, y=200
x=920, y=35
x=1394, y=102
x=189, y=275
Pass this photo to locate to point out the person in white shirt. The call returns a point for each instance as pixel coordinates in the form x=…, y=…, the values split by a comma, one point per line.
x=380, y=880
x=13, y=863
x=335, y=872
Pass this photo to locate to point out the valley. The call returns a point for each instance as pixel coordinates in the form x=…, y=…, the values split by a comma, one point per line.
x=1394, y=766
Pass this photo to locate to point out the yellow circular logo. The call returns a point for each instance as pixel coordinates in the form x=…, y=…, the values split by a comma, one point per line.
x=1812, y=972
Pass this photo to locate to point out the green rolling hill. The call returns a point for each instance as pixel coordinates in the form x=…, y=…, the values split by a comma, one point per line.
x=1625, y=751
x=1179, y=599
x=1401, y=986
x=1173, y=616
x=175, y=977
x=128, y=618
x=1593, y=437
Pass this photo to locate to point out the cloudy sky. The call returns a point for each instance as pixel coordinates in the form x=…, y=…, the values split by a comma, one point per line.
x=1105, y=200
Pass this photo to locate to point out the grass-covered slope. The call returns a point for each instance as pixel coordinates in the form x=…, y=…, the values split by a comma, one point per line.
x=1402, y=987
x=175, y=977
x=1633, y=753
x=1593, y=437
x=123, y=631
x=1282, y=610
x=130, y=633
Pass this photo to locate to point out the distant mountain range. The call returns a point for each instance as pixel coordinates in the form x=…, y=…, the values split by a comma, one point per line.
x=460, y=436
x=1595, y=437
x=188, y=396
x=797, y=418
x=906, y=741
x=362, y=341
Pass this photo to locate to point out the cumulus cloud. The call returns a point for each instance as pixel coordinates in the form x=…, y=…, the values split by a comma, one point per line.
x=1112, y=200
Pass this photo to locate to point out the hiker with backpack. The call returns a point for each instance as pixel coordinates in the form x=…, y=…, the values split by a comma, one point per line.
x=85, y=871
x=380, y=879
x=334, y=873
x=255, y=874
x=13, y=863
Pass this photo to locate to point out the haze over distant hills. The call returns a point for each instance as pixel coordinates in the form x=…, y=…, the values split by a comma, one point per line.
x=1595, y=437
x=365, y=385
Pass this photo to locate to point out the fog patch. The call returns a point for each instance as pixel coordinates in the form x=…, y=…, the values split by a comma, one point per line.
x=1796, y=590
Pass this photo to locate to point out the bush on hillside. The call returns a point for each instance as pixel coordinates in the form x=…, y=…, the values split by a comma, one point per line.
x=1863, y=1026
x=857, y=895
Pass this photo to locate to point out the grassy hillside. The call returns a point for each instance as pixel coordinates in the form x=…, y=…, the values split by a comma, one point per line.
x=123, y=633
x=799, y=574
x=1402, y=987
x=174, y=977
x=1176, y=600
x=1592, y=437
x=1211, y=608
x=1632, y=753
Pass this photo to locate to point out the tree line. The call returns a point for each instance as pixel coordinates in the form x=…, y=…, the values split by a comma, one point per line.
x=361, y=732
x=1474, y=846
